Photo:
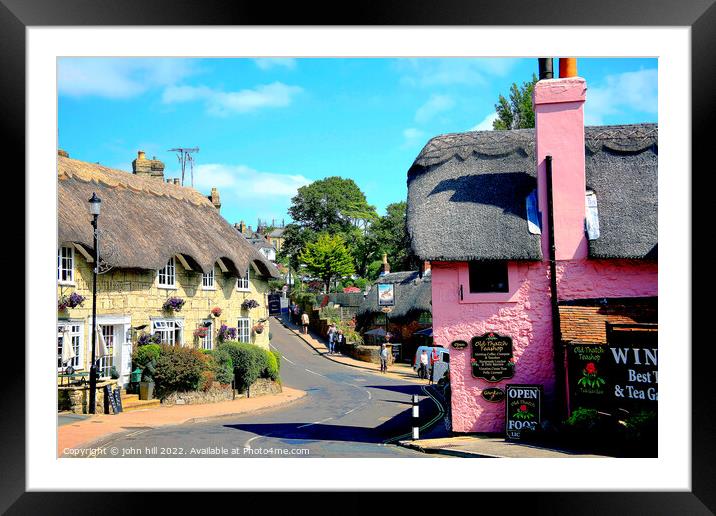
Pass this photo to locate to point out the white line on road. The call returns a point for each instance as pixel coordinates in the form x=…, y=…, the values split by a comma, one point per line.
x=248, y=443
x=315, y=422
x=283, y=357
x=317, y=374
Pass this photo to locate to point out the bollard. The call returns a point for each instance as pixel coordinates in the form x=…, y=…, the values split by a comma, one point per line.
x=416, y=412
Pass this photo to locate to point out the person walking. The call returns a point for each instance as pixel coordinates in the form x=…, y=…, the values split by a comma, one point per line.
x=423, y=371
x=304, y=323
x=434, y=357
x=340, y=341
x=383, y=358
x=331, y=338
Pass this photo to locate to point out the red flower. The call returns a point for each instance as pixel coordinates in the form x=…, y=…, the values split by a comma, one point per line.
x=590, y=368
x=523, y=408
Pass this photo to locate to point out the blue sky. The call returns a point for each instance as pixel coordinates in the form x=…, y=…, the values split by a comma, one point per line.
x=268, y=126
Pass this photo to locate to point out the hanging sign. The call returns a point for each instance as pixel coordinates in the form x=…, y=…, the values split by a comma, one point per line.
x=274, y=304
x=386, y=294
x=492, y=358
x=459, y=344
x=493, y=394
x=523, y=410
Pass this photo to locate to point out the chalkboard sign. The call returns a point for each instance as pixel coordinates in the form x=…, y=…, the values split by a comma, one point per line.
x=459, y=344
x=112, y=399
x=492, y=358
x=523, y=410
x=117, y=395
x=274, y=304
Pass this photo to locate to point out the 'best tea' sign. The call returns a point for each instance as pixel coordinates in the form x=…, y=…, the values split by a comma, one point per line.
x=524, y=409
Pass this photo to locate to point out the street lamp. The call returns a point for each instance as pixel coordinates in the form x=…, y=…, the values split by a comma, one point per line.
x=94, y=206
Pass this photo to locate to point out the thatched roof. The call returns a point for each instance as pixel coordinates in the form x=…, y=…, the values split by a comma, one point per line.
x=146, y=221
x=412, y=294
x=466, y=194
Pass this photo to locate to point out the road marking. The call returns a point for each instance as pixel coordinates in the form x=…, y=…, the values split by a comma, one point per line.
x=283, y=357
x=317, y=374
x=248, y=443
x=441, y=413
x=315, y=422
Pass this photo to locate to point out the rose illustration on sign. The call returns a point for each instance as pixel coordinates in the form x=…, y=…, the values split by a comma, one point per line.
x=590, y=378
x=523, y=413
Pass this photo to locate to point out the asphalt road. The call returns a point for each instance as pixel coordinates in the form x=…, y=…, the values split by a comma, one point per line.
x=347, y=413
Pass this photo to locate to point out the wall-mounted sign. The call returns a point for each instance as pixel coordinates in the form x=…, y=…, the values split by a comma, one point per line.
x=386, y=294
x=493, y=394
x=274, y=304
x=523, y=409
x=623, y=374
x=492, y=357
x=459, y=344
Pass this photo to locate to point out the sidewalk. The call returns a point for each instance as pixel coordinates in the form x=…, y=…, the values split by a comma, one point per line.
x=397, y=371
x=98, y=426
x=488, y=447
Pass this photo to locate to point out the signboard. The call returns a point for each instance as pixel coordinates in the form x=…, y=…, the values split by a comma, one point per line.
x=459, y=344
x=523, y=410
x=113, y=399
x=492, y=357
x=117, y=395
x=274, y=304
x=493, y=394
x=623, y=374
x=386, y=294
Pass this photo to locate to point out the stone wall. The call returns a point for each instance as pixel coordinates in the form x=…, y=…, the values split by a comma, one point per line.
x=75, y=398
x=222, y=392
x=369, y=353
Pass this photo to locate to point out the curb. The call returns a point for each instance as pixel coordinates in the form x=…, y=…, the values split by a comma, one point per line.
x=445, y=451
x=325, y=355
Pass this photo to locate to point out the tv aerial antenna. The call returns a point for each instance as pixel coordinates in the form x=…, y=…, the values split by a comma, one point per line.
x=184, y=155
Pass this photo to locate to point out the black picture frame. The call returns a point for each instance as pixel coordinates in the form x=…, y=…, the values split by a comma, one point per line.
x=699, y=15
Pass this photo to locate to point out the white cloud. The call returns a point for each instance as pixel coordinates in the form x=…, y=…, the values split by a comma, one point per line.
x=486, y=124
x=449, y=71
x=266, y=63
x=412, y=136
x=118, y=77
x=239, y=182
x=628, y=91
x=435, y=105
x=222, y=103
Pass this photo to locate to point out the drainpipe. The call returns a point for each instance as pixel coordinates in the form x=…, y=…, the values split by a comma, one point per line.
x=560, y=402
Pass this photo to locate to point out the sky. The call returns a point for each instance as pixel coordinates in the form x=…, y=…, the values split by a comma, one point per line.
x=266, y=127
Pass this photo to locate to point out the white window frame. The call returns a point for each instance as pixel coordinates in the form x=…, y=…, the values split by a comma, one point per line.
x=174, y=327
x=243, y=329
x=106, y=362
x=208, y=341
x=243, y=284
x=169, y=271
x=77, y=340
x=208, y=280
x=61, y=262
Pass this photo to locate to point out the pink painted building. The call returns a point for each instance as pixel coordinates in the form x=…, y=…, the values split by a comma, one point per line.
x=478, y=210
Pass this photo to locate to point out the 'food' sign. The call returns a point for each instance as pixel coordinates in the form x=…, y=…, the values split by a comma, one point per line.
x=524, y=409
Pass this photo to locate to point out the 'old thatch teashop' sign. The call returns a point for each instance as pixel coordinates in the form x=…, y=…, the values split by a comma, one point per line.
x=523, y=409
x=492, y=357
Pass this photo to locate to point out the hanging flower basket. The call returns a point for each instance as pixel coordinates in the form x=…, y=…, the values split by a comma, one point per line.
x=258, y=328
x=249, y=304
x=216, y=311
x=225, y=333
x=146, y=338
x=173, y=304
x=72, y=301
x=201, y=332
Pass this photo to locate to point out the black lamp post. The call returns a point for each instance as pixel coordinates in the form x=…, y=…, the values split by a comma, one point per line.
x=94, y=203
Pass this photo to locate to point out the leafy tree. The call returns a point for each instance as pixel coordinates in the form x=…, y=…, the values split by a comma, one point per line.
x=517, y=113
x=389, y=235
x=327, y=258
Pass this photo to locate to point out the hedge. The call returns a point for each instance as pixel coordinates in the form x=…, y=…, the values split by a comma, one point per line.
x=250, y=363
x=178, y=369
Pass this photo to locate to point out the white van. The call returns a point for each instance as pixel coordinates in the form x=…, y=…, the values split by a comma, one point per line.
x=441, y=365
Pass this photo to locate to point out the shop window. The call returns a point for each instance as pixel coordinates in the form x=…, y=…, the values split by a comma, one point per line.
x=243, y=329
x=71, y=335
x=488, y=276
x=169, y=330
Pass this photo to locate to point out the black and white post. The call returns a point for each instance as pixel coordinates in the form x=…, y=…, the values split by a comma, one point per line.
x=416, y=418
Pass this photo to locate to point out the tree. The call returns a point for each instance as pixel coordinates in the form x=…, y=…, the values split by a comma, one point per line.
x=389, y=235
x=517, y=113
x=327, y=258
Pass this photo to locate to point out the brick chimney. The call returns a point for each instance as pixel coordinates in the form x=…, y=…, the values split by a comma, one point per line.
x=62, y=153
x=153, y=168
x=559, y=132
x=214, y=198
x=385, y=267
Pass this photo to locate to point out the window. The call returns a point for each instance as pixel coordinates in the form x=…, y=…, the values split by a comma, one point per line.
x=243, y=329
x=243, y=283
x=207, y=280
x=425, y=318
x=166, y=276
x=106, y=362
x=207, y=341
x=170, y=330
x=71, y=335
x=66, y=264
x=488, y=276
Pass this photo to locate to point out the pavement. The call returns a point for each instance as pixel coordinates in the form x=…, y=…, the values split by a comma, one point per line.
x=396, y=370
x=82, y=432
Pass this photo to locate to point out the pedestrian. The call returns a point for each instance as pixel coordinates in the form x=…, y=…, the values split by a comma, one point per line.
x=304, y=322
x=423, y=371
x=331, y=338
x=383, y=358
x=340, y=341
x=434, y=357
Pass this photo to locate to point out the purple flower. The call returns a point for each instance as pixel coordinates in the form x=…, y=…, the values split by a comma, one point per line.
x=71, y=301
x=225, y=333
x=174, y=304
x=249, y=304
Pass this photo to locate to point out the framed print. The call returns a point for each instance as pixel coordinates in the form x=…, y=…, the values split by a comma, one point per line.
x=270, y=112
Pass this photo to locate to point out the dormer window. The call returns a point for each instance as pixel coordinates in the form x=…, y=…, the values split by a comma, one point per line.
x=66, y=265
x=488, y=276
x=207, y=280
x=243, y=283
x=166, y=276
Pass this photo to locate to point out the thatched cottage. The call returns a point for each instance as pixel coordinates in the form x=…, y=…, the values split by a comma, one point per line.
x=479, y=209
x=158, y=240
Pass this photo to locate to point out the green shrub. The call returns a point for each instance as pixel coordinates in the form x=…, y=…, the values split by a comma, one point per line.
x=331, y=314
x=278, y=358
x=583, y=419
x=641, y=426
x=144, y=354
x=250, y=362
x=178, y=369
x=271, y=367
x=222, y=366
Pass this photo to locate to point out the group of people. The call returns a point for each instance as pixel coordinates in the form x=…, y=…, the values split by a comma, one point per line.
x=336, y=339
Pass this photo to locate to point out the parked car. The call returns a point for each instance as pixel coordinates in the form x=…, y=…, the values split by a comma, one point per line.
x=441, y=366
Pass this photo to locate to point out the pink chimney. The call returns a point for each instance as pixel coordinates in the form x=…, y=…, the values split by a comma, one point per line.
x=559, y=132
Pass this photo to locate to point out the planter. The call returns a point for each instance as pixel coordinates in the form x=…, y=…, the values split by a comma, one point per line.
x=146, y=390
